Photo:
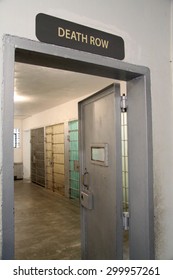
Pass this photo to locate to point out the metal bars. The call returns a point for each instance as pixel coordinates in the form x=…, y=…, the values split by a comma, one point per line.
x=37, y=156
x=73, y=160
x=55, y=158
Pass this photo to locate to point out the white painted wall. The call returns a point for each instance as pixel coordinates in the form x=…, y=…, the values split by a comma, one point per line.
x=146, y=27
x=62, y=113
x=171, y=43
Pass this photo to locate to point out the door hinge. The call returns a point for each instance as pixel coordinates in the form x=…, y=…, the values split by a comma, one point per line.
x=125, y=220
x=123, y=104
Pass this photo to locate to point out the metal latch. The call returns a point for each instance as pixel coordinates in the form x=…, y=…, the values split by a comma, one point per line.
x=125, y=220
x=123, y=103
x=86, y=199
x=85, y=179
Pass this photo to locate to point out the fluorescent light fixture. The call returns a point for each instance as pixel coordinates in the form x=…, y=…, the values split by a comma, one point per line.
x=20, y=98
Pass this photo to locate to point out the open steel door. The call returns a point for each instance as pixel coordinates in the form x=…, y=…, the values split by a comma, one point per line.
x=100, y=169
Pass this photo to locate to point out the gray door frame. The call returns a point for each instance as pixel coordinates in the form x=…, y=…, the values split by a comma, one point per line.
x=140, y=149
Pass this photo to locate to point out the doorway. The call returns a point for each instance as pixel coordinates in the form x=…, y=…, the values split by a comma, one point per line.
x=59, y=142
x=140, y=150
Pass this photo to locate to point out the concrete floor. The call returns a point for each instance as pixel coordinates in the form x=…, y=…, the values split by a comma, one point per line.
x=47, y=226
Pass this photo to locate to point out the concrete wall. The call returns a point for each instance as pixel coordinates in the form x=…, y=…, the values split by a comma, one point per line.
x=146, y=28
x=61, y=113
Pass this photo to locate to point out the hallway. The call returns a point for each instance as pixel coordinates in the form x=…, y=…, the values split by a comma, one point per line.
x=47, y=226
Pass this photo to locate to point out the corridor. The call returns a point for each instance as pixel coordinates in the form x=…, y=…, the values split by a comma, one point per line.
x=47, y=226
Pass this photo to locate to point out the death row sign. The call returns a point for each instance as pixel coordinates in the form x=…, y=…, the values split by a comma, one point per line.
x=68, y=34
x=83, y=38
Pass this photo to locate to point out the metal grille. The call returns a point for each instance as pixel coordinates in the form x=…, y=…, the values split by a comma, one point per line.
x=49, y=157
x=73, y=160
x=58, y=158
x=37, y=156
x=124, y=140
x=55, y=178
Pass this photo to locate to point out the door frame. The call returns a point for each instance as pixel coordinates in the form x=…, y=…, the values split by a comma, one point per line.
x=16, y=49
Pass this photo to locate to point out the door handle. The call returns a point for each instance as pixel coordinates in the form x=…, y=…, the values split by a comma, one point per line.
x=85, y=179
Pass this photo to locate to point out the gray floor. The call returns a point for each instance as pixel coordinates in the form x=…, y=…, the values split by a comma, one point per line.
x=47, y=226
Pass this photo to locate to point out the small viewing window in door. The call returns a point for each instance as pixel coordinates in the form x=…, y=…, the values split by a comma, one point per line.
x=99, y=154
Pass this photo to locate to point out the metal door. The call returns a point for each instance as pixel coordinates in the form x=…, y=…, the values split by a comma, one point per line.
x=101, y=180
x=37, y=156
x=49, y=158
x=55, y=174
x=73, y=160
x=58, y=159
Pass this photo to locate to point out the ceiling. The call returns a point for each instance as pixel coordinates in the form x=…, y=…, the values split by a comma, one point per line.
x=38, y=88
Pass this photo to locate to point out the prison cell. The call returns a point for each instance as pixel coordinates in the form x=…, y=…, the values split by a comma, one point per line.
x=73, y=160
x=55, y=158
